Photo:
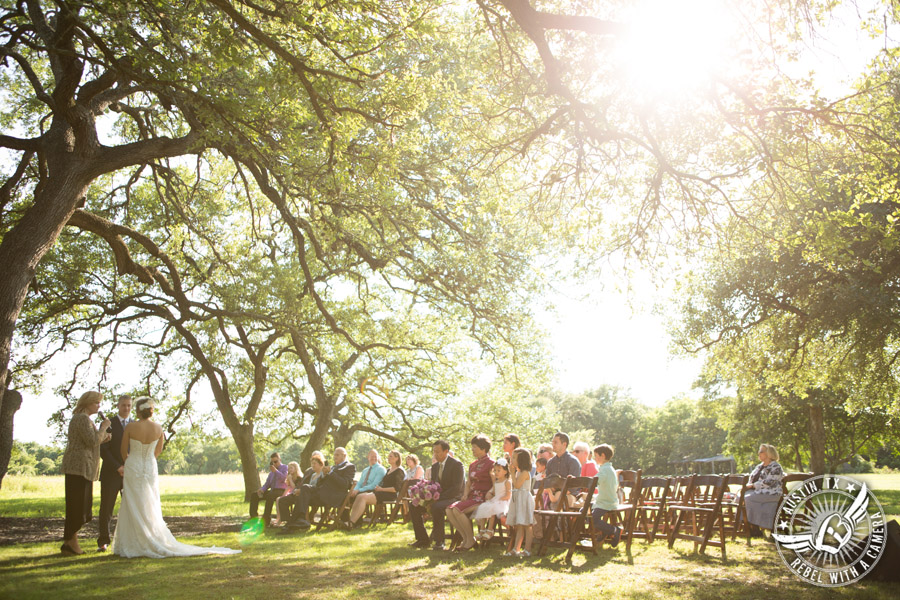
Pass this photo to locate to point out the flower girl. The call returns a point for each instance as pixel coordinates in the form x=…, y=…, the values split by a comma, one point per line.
x=497, y=501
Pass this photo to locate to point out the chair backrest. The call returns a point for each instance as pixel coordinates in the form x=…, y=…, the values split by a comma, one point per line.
x=793, y=478
x=679, y=486
x=735, y=487
x=630, y=483
x=549, y=483
x=706, y=489
x=654, y=490
x=576, y=485
x=404, y=487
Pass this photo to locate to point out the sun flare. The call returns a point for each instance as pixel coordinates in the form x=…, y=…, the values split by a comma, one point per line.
x=674, y=46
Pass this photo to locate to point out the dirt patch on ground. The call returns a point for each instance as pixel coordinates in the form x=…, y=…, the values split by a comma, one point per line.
x=15, y=530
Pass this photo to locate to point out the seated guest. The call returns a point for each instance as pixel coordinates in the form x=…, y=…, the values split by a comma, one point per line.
x=496, y=502
x=510, y=442
x=311, y=470
x=413, y=469
x=764, y=489
x=371, y=476
x=271, y=490
x=291, y=482
x=311, y=477
x=545, y=451
x=329, y=490
x=606, y=498
x=540, y=468
x=448, y=472
x=474, y=493
x=583, y=453
x=561, y=464
x=385, y=491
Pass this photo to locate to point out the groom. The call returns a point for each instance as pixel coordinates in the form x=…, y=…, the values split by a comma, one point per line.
x=112, y=470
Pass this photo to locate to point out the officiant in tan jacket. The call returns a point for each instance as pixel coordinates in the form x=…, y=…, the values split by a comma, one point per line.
x=81, y=466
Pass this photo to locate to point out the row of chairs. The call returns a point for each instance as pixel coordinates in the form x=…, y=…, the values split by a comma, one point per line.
x=332, y=516
x=703, y=509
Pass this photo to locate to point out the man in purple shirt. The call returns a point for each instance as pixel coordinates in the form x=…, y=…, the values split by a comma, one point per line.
x=271, y=490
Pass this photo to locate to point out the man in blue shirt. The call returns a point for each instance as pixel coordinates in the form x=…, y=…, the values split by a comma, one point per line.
x=371, y=476
x=271, y=490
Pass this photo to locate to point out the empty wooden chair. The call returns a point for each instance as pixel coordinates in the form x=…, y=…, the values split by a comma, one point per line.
x=734, y=512
x=702, y=507
x=650, y=509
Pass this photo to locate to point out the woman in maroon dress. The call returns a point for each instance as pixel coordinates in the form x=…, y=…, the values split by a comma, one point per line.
x=477, y=485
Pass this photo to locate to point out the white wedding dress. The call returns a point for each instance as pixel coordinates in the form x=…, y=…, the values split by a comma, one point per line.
x=140, y=530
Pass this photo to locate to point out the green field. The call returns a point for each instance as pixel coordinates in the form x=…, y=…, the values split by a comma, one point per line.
x=181, y=495
x=378, y=564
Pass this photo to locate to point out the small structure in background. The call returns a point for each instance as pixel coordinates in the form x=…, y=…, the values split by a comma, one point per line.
x=705, y=465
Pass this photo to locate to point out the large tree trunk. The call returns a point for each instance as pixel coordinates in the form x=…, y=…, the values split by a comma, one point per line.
x=243, y=439
x=21, y=250
x=798, y=459
x=12, y=400
x=816, y=440
x=319, y=434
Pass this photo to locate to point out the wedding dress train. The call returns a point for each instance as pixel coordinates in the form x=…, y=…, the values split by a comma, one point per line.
x=140, y=530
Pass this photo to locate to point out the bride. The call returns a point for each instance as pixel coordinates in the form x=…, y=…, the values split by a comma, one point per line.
x=141, y=530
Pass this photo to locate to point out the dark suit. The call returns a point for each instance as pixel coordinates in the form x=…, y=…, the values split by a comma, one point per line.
x=330, y=490
x=452, y=482
x=110, y=480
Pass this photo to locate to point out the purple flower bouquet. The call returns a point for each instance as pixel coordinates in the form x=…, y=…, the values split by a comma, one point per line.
x=424, y=493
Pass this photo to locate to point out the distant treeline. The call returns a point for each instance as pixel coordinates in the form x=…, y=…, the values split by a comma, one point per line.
x=649, y=438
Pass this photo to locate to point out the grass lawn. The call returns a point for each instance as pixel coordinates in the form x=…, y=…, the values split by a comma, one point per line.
x=378, y=564
x=181, y=495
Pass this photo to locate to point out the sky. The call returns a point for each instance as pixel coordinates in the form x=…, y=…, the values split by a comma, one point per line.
x=596, y=334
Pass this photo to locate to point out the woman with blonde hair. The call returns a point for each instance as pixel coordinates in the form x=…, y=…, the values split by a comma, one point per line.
x=764, y=489
x=81, y=466
x=292, y=482
x=414, y=470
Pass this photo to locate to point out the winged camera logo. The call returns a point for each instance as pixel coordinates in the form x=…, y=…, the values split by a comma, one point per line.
x=830, y=531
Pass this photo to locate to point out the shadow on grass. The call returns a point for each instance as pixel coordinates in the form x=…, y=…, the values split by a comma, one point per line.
x=890, y=502
x=377, y=563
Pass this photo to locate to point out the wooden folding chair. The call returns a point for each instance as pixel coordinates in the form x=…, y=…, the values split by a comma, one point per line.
x=650, y=511
x=789, y=479
x=678, y=487
x=379, y=511
x=542, y=515
x=502, y=534
x=624, y=514
x=331, y=515
x=574, y=525
x=734, y=511
x=703, y=507
x=403, y=501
